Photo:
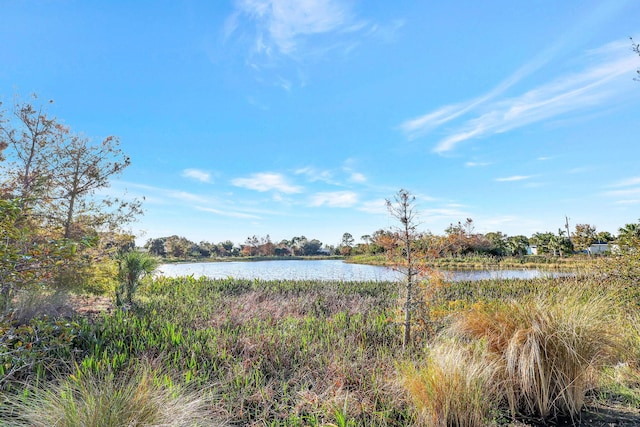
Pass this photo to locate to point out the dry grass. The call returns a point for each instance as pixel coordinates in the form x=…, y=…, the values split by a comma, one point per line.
x=550, y=347
x=456, y=387
x=30, y=304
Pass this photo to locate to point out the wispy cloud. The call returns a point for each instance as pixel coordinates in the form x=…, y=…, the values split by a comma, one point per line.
x=578, y=170
x=424, y=124
x=627, y=191
x=627, y=182
x=349, y=167
x=335, y=199
x=628, y=202
x=513, y=178
x=267, y=181
x=476, y=164
x=312, y=174
x=197, y=174
x=187, y=200
x=445, y=213
x=635, y=191
x=377, y=206
x=281, y=25
x=358, y=177
x=228, y=213
x=602, y=79
x=332, y=177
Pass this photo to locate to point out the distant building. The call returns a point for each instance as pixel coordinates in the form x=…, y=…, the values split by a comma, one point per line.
x=532, y=250
x=598, y=248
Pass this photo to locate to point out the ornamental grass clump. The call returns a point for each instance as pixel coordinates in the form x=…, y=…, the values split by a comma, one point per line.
x=550, y=348
x=456, y=386
x=107, y=400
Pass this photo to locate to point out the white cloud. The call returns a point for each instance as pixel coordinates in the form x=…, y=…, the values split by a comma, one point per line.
x=358, y=177
x=335, y=199
x=624, y=193
x=184, y=199
x=313, y=174
x=282, y=24
x=228, y=213
x=513, y=178
x=197, y=174
x=185, y=196
x=628, y=182
x=603, y=79
x=626, y=190
x=419, y=126
x=426, y=123
x=476, y=164
x=267, y=181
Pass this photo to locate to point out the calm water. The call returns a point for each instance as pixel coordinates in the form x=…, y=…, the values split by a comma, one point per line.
x=322, y=270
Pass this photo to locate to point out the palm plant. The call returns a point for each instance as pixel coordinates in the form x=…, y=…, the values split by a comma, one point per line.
x=629, y=235
x=132, y=267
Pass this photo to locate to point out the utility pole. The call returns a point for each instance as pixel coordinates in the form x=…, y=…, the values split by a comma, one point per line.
x=566, y=225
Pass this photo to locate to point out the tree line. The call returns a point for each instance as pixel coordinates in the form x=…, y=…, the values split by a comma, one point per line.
x=459, y=239
x=181, y=247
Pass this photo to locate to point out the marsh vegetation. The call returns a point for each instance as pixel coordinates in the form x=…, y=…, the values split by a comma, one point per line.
x=297, y=353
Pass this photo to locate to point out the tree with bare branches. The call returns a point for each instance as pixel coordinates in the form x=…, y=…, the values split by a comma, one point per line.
x=403, y=209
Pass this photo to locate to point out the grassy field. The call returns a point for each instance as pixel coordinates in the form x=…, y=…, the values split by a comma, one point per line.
x=305, y=353
x=482, y=262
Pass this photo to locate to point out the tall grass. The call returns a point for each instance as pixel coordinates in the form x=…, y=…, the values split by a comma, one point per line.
x=455, y=386
x=550, y=347
x=102, y=399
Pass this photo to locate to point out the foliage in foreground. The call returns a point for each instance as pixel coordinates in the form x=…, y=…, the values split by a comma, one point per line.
x=546, y=350
x=454, y=386
x=103, y=399
x=284, y=353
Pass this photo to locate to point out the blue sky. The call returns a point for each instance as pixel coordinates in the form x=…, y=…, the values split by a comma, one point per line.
x=300, y=117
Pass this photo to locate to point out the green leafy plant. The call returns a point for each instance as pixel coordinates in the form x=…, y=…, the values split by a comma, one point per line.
x=132, y=267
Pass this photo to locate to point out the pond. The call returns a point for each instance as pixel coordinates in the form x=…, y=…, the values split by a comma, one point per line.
x=323, y=270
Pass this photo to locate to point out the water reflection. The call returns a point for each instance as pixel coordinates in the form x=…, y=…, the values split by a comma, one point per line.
x=325, y=270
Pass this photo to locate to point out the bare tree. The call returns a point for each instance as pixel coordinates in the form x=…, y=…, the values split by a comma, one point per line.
x=402, y=208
